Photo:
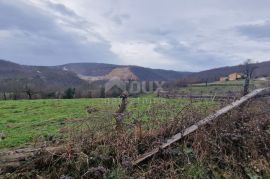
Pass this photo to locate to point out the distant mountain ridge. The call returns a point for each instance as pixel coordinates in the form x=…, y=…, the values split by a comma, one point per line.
x=80, y=74
x=261, y=70
x=76, y=74
x=14, y=71
x=102, y=70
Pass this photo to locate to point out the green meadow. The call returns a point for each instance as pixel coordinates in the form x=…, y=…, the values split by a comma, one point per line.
x=25, y=121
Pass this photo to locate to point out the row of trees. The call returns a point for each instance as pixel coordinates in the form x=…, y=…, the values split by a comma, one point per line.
x=13, y=89
x=28, y=93
x=30, y=89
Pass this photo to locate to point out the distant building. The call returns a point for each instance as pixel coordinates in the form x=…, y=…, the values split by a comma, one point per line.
x=235, y=76
x=232, y=77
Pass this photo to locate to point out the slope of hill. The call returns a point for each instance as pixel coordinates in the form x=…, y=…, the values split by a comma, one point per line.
x=48, y=77
x=18, y=78
x=97, y=71
x=262, y=69
x=76, y=74
x=88, y=69
x=123, y=73
x=157, y=74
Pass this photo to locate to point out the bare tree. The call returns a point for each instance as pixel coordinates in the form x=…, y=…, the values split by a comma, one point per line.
x=4, y=95
x=248, y=71
x=29, y=92
x=29, y=88
x=3, y=89
x=15, y=88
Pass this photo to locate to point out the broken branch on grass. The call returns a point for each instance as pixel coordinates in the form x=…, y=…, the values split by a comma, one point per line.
x=202, y=122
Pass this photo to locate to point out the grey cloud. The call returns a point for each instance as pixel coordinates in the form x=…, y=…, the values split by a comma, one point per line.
x=261, y=31
x=200, y=34
x=61, y=8
x=116, y=17
x=36, y=38
x=192, y=59
x=119, y=19
x=20, y=16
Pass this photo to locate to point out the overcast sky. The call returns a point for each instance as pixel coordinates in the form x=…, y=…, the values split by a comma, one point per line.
x=184, y=35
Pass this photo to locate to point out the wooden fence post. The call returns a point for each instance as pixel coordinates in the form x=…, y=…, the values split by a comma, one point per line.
x=119, y=114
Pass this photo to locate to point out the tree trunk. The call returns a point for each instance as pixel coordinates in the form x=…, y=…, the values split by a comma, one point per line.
x=246, y=85
x=15, y=96
x=5, y=96
x=29, y=95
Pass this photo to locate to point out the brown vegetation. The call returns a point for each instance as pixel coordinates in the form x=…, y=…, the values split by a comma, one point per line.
x=235, y=146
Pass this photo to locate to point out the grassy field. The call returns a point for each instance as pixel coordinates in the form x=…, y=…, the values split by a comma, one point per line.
x=217, y=88
x=26, y=121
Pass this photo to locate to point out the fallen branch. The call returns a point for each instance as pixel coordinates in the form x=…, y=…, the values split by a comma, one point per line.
x=16, y=158
x=202, y=122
